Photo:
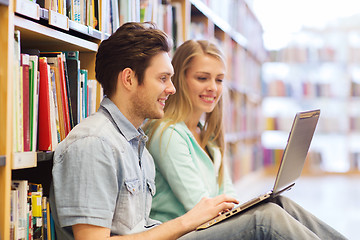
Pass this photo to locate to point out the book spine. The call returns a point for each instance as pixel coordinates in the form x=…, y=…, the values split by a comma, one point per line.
x=26, y=100
x=44, y=132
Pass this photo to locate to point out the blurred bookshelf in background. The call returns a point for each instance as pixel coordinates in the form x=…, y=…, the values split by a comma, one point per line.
x=317, y=69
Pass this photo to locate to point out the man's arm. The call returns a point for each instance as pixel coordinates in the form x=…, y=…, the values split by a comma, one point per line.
x=206, y=209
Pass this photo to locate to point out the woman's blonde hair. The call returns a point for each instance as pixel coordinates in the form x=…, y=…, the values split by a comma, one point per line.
x=179, y=106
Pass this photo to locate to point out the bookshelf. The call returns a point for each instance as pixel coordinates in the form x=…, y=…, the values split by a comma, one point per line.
x=321, y=72
x=48, y=30
x=245, y=54
x=35, y=34
x=5, y=120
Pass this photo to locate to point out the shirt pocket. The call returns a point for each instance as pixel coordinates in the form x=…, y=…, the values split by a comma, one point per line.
x=129, y=204
x=133, y=186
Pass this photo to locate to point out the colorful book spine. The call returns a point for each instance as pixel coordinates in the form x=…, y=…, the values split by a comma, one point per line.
x=44, y=132
x=25, y=65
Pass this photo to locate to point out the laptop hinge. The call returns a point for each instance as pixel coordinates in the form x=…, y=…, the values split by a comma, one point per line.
x=283, y=190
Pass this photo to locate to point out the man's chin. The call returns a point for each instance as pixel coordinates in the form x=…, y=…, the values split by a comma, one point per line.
x=157, y=115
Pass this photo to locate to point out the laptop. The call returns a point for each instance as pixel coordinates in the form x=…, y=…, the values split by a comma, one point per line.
x=291, y=165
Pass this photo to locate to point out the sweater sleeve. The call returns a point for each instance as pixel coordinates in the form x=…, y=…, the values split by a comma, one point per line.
x=174, y=158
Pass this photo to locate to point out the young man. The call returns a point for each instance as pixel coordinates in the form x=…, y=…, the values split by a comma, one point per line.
x=103, y=176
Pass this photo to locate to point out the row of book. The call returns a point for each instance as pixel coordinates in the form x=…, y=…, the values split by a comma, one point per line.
x=30, y=215
x=278, y=88
x=354, y=124
x=273, y=156
x=313, y=54
x=277, y=123
x=108, y=15
x=237, y=16
x=355, y=89
x=328, y=124
x=355, y=161
x=244, y=158
x=51, y=95
x=241, y=114
x=304, y=54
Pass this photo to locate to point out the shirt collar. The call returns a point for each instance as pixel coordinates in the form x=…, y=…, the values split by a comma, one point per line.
x=123, y=124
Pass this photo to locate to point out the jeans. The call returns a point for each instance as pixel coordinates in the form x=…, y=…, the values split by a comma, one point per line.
x=280, y=218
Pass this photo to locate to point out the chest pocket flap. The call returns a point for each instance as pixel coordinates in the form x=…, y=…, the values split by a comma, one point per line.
x=133, y=186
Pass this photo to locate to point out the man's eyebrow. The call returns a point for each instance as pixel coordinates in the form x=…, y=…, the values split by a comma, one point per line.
x=166, y=73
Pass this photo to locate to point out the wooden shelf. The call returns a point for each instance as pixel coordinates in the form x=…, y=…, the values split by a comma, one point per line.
x=45, y=156
x=222, y=24
x=242, y=136
x=2, y=161
x=4, y=2
x=77, y=27
x=35, y=35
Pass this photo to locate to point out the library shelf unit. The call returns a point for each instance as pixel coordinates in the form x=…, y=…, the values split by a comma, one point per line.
x=38, y=29
x=320, y=72
x=34, y=34
x=235, y=28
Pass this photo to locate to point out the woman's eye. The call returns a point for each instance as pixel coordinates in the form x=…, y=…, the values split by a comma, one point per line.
x=201, y=78
x=219, y=80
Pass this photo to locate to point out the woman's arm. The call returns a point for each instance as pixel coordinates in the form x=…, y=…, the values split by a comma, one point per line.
x=179, y=165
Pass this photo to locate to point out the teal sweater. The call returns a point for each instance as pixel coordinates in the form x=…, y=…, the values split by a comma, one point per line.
x=184, y=172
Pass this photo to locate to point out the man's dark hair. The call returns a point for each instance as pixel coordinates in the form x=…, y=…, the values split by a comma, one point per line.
x=131, y=46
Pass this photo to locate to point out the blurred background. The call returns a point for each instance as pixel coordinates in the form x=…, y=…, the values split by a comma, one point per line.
x=313, y=62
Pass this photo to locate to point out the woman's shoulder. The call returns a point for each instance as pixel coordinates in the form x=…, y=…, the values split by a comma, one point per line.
x=179, y=127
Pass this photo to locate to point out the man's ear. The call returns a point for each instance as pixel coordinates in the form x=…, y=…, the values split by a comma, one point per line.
x=127, y=78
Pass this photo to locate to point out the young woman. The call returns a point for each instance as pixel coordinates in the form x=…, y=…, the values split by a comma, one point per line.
x=187, y=145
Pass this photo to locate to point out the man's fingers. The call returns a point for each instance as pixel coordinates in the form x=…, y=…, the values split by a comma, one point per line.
x=225, y=198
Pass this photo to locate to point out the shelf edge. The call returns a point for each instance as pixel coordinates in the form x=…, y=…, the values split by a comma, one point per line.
x=54, y=34
x=2, y=160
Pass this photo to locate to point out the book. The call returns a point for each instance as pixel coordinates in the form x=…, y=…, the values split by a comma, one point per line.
x=84, y=92
x=22, y=187
x=52, y=226
x=68, y=90
x=25, y=65
x=17, y=97
x=44, y=132
x=44, y=218
x=92, y=90
x=55, y=123
x=14, y=214
x=64, y=92
x=48, y=221
x=97, y=14
x=34, y=101
x=115, y=23
x=73, y=72
x=54, y=66
x=36, y=198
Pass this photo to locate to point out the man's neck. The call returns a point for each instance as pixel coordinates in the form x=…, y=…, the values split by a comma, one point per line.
x=126, y=111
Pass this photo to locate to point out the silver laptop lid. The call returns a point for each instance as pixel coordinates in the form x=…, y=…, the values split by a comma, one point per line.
x=297, y=147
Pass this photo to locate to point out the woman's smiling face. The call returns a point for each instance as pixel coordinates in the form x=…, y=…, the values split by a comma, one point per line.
x=205, y=82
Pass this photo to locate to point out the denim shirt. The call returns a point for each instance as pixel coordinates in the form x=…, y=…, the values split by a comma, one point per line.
x=103, y=175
